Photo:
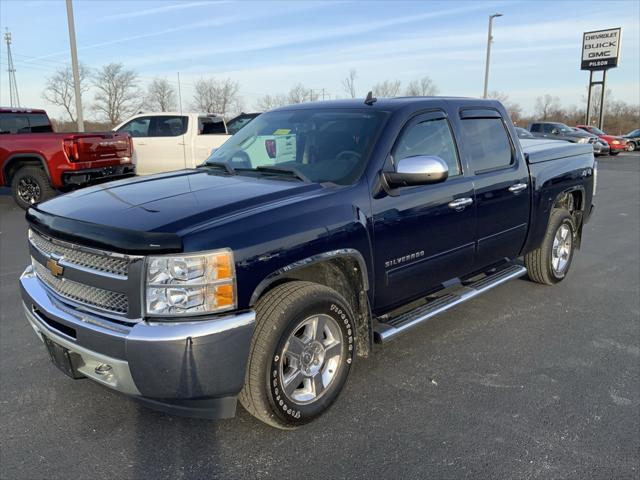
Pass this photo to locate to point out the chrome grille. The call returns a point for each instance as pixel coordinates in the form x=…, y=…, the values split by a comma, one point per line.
x=92, y=296
x=112, y=264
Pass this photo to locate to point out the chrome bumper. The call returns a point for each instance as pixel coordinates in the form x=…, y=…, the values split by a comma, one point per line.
x=193, y=368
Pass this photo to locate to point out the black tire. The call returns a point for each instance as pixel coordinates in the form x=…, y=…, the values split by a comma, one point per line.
x=30, y=185
x=279, y=315
x=539, y=262
x=631, y=147
x=613, y=153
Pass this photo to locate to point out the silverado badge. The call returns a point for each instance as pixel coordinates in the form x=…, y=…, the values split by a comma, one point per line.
x=54, y=267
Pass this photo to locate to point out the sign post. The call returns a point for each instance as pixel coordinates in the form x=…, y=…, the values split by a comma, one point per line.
x=600, y=51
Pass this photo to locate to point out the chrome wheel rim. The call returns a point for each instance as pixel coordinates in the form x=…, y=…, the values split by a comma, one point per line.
x=311, y=358
x=28, y=190
x=561, y=252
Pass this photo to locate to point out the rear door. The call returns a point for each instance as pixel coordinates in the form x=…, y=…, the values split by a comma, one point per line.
x=501, y=181
x=422, y=238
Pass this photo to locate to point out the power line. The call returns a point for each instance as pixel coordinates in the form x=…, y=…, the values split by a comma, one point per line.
x=14, y=99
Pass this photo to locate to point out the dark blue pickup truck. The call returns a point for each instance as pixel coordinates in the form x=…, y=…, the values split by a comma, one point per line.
x=315, y=232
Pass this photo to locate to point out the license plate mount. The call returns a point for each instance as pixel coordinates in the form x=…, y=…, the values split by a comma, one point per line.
x=64, y=359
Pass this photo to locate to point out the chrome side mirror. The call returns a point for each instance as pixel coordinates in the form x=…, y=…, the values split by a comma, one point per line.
x=418, y=170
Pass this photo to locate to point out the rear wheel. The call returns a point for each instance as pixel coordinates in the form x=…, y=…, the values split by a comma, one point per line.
x=549, y=264
x=30, y=185
x=301, y=354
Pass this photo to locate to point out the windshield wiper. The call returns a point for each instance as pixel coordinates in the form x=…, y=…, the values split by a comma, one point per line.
x=292, y=171
x=224, y=165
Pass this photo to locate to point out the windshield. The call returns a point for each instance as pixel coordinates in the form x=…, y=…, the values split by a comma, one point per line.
x=597, y=131
x=562, y=127
x=318, y=145
x=633, y=133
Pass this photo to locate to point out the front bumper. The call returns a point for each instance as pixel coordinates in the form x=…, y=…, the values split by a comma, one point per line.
x=191, y=368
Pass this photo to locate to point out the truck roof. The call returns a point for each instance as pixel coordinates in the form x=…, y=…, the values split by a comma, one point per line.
x=159, y=114
x=21, y=110
x=388, y=104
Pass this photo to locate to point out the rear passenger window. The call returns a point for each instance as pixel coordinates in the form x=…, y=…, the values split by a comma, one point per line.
x=535, y=127
x=211, y=126
x=430, y=138
x=166, y=126
x=489, y=143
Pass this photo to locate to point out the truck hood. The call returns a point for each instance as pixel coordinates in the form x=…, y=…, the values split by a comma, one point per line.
x=176, y=201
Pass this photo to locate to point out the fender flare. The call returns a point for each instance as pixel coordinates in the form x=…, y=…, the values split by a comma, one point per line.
x=318, y=258
x=18, y=156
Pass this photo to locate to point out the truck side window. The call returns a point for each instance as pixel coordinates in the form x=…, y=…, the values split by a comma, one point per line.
x=535, y=127
x=429, y=137
x=211, y=126
x=138, y=127
x=167, y=126
x=489, y=143
x=39, y=123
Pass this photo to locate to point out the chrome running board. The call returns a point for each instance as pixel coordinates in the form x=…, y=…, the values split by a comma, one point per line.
x=405, y=321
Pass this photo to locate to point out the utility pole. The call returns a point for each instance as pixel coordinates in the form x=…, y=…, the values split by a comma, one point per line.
x=74, y=66
x=14, y=99
x=489, y=41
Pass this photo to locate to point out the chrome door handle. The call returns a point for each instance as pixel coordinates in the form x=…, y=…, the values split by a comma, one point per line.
x=460, y=203
x=518, y=187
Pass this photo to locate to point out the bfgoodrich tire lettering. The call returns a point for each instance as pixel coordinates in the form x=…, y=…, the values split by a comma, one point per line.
x=280, y=391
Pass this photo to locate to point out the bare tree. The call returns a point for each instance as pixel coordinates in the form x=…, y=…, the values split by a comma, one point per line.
x=349, y=83
x=513, y=108
x=300, y=94
x=547, y=106
x=216, y=96
x=161, y=96
x=422, y=88
x=117, y=93
x=388, y=88
x=59, y=89
x=271, y=101
x=596, y=101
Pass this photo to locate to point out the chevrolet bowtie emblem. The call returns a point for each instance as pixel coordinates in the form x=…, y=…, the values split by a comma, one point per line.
x=54, y=267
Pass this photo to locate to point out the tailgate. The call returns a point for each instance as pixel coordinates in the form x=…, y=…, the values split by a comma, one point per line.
x=101, y=146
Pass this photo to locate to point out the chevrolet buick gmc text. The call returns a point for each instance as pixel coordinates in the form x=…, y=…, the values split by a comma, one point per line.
x=314, y=232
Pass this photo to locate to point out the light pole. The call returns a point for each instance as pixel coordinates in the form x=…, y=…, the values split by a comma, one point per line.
x=74, y=66
x=489, y=40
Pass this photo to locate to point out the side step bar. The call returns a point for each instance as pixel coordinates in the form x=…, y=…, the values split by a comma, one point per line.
x=410, y=319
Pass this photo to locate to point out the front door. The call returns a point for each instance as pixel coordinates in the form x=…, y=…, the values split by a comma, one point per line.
x=423, y=235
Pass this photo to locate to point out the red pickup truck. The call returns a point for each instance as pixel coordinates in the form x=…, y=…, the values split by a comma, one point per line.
x=36, y=162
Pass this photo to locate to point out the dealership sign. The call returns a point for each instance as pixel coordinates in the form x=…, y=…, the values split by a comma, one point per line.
x=601, y=49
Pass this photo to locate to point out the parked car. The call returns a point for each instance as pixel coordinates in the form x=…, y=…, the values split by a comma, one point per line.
x=523, y=133
x=169, y=141
x=263, y=274
x=616, y=144
x=235, y=124
x=633, y=139
x=558, y=131
x=36, y=162
x=600, y=147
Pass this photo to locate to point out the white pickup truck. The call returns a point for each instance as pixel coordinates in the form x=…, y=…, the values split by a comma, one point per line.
x=169, y=141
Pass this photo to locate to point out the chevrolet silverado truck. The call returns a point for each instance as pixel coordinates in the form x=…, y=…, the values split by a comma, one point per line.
x=36, y=162
x=266, y=272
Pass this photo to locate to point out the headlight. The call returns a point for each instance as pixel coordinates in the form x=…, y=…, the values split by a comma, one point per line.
x=583, y=140
x=182, y=285
x=616, y=142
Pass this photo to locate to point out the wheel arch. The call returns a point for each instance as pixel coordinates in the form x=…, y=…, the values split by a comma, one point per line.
x=573, y=200
x=344, y=271
x=19, y=160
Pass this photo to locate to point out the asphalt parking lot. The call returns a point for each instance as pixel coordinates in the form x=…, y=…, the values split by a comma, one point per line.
x=526, y=381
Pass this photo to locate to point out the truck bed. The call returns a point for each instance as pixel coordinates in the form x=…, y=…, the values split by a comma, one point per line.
x=538, y=151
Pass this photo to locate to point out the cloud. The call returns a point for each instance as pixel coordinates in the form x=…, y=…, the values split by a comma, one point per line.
x=157, y=10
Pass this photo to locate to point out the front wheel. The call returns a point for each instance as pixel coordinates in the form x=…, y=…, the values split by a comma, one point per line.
x=631, y=147
x=613, y=153
x=549, y=264
x=301, y=354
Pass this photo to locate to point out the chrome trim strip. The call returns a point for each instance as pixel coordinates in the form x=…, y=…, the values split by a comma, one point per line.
x=391, y=332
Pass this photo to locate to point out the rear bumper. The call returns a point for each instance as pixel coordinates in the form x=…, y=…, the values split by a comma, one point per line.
x=97, y=175
x=192, y=368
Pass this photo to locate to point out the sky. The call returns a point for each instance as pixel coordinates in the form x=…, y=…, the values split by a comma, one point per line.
x=270, y=46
